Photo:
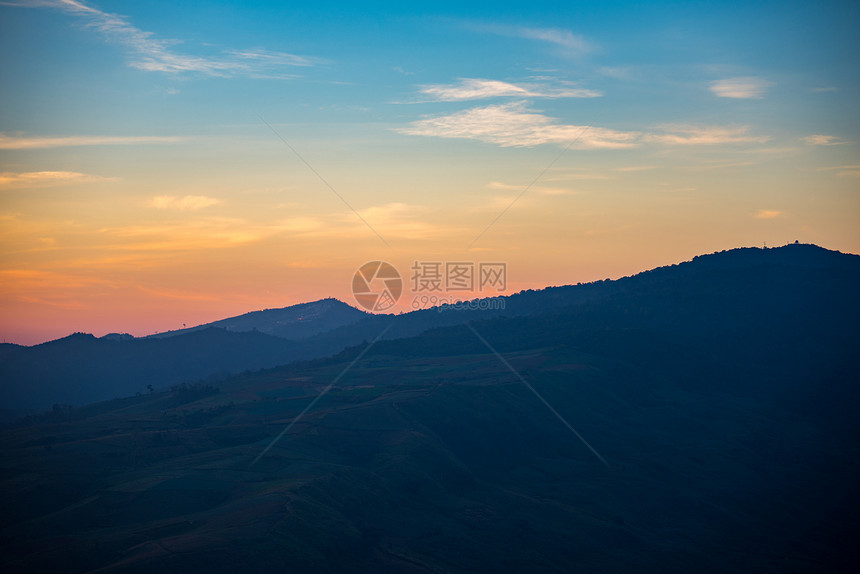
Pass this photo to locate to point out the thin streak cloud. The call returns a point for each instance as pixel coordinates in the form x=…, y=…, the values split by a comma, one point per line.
x=748, y=87
x=475, y=89
x=768, y=214
x=10, y=179
x=156, y=55
x=404, y=221
x=182, y=235
x=44, y=142
x=820, y=139
x=514, y=125
x=705, y=135
x=569, y=43
x=843, y=170
x=185, y=203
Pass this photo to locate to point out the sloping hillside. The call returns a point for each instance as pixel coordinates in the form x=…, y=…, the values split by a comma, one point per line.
x=719, y=398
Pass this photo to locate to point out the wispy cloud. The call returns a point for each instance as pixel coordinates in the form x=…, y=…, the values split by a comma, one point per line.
x=10, y=179
x=204, y=233
x=819, y=139
x=184, y=203
x=843, y=170
x=634, y=168
x=301, y=225
x=33, y=279
x=401, y=220
x=561, y=38
x=565, y=41
x=395, y=219
x=748, y=87
x=712, y=165
x=571, y=44
x=151, y=54
x=768, y=214
x=180, y=294
x=617, y=72
x=578, y=175
x=582, y=177
x=543, y=190
x=42, y=142
x=475, y=89
x=514, y=125
x=705, y=135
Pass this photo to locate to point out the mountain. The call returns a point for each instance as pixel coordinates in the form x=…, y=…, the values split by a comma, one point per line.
x=761, y=273
x=65, y=372
x=295, y=322
x=80, y=368
x=695, y=417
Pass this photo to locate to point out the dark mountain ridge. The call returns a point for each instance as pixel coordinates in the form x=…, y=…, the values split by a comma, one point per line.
x=294, y=322
x=720, y=393
x=80, y=369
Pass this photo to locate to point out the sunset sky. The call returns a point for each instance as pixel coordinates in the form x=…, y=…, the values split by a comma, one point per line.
x=176, y=163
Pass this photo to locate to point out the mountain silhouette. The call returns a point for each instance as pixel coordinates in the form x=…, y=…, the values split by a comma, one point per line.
x=700, y=416
x=80, y=368
x=294, y=322
x=717, y=287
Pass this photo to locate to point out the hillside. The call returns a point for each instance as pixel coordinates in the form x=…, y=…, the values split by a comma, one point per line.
x=80, y=368
x=721, y=394
x=294, y=322
x=73, y=372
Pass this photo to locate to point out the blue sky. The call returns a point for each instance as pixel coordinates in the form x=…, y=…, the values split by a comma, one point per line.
x=143, y=170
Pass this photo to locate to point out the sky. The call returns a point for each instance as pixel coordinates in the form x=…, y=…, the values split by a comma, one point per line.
x=170, y=164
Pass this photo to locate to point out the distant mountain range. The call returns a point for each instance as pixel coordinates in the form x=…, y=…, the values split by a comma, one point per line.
x=80, y=368
x=718, y=399
x=295, y=322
